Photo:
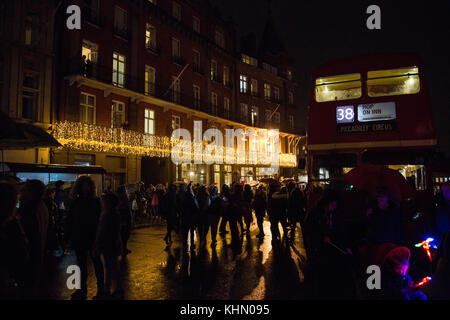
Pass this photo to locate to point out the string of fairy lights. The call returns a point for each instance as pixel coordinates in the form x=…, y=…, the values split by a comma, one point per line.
x=95, y=138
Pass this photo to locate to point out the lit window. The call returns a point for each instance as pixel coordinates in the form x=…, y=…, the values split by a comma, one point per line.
x=342, y=87
x=150, y=37
x=226, y=76
x=117, y=114
x=118, y=75
x=393, y=82
x=175, y=122
x=213, y=70
x=87, y=108
x=149, y=121
x=254, y=116
x=90, y=51
x=289, y=75
x=267, y=91
x=243, y=83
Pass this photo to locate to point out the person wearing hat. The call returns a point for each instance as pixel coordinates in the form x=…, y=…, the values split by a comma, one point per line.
x=396, y=284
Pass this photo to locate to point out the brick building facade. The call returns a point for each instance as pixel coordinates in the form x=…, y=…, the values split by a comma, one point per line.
x=139, y=69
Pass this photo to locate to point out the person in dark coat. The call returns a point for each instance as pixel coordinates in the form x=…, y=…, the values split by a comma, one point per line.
x=295, y=210
x=52, y=207
x=169, y=211
x=59, y=194
x=82, y=224
x=190, y=210
x=384, y=221
x=125, y=218
x=33, y=215
x=247, y=207
x=214, y=214
x=204, y=203
x=108, y=244
x=260, y=205
x=277, y=210
x=14, y=246
x=225, y=212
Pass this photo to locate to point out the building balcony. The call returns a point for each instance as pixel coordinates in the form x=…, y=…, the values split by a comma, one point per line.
x=104, y=78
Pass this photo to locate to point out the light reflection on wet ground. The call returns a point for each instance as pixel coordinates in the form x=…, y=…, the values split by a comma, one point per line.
x=155, y=271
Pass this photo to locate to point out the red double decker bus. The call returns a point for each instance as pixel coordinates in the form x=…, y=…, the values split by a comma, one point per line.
x=371, y=109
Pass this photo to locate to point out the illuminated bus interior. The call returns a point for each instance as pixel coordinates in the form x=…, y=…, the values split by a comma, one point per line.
x=393, y=82
x=331, y=166
x=335, y=88
x=415, y=174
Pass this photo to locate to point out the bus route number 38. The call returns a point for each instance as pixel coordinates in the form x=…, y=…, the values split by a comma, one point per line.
x=345, y=114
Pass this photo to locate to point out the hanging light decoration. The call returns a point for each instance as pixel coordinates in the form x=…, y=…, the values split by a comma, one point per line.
x=95, y=138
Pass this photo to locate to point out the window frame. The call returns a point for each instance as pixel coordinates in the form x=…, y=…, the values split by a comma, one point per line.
x=148, y=120
x=114, y=112
x=86, y=106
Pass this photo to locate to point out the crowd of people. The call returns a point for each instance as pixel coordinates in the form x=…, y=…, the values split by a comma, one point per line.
x=339, y=246
x=31, y=225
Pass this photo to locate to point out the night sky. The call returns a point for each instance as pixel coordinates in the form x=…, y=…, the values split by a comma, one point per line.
x=316, y=31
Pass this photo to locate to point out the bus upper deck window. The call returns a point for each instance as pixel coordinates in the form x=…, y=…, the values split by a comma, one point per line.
x=393, y=82
x=342, y=87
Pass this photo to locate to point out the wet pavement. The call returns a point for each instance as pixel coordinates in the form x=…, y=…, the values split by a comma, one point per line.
x=154, y=271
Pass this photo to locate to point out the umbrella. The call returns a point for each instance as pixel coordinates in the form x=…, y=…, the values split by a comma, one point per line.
x=16, y=136
x=270, y=181
x=370, y=177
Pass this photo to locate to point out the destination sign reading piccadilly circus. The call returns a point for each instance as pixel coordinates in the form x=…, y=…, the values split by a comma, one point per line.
x=382, y=115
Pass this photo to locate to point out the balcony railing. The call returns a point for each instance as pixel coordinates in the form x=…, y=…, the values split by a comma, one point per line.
x=124, y=80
